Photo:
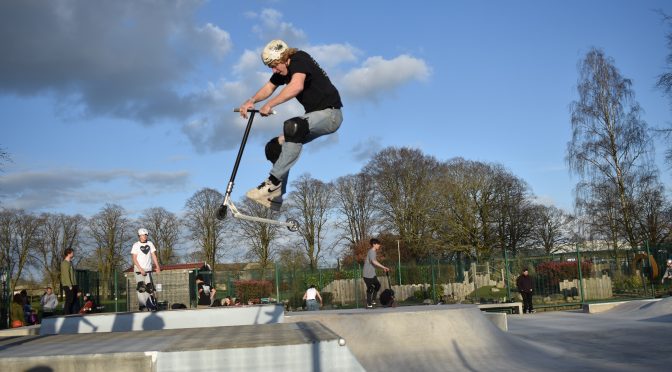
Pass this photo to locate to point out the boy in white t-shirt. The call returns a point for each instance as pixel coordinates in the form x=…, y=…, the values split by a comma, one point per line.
x=311, y=296
x=143, y=253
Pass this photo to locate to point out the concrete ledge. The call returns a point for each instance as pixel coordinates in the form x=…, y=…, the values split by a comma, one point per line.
x=515, y=307
x=21, y=331
x=498, y=319
x=606, y=306
x=169, y=319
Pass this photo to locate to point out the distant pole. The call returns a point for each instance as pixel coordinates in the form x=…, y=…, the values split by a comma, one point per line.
x=506, y=280
x=578, y=261
x=399, y=262
x=650, y=271
x=277, y=283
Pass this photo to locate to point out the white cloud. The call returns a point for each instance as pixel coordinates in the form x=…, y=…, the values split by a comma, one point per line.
x=43, y=189
x=378, y=76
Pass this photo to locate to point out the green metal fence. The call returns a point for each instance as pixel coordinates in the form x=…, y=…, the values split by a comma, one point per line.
x=570, y=278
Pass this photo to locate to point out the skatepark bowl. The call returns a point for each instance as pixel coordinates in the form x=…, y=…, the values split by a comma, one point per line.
x=631, y=336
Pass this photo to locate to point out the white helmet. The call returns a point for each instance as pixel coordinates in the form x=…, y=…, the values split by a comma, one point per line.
x=273, y=51
x=143, y=232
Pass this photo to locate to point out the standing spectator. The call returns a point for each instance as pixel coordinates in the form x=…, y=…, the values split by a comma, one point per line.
x=369, y=273
x=69, y=282
x=311, y=296
x=27, y=309
x=143, y=253
x=668, y=275
x=48, y=301
x=16, y=315
x=206, y=294
x=524, y=284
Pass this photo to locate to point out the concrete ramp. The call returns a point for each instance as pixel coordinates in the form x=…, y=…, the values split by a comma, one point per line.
x=643, y=309
x=267, y=347
x=168, y=319
x=430, y=338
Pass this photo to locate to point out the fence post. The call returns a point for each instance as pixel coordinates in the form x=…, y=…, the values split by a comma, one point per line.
x=399, y=262
x=431, y=263
x=578, y=261
x=356, y=285
x=277, y=283
x=648, y=262
x=116, y=291
x=506, y=270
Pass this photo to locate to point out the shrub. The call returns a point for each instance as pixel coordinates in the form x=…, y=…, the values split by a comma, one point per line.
x=252, y=289
x=555, y=271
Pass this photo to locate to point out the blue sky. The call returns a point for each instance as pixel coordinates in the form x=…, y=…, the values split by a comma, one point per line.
x=130, y=102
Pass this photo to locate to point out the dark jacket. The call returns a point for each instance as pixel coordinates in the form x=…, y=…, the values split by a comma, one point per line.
x=524, y=283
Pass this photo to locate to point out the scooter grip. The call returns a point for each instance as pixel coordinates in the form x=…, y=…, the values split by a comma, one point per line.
x=254, y=110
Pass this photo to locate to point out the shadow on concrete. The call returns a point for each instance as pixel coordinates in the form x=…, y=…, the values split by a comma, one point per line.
x=315, y=348
x=460, y=355
x=123, y=322
x=153, y=321
x=75, y=322
x=40, y=369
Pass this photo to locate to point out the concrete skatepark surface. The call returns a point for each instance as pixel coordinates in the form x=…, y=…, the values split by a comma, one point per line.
x=631, y=336
x=634, y=336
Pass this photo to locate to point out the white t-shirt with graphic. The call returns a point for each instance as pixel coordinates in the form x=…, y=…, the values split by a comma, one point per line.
x=144, y=252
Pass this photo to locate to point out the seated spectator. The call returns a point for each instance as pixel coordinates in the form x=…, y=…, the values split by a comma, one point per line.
x=48, y=303
x=88, y=305
x=227, y=301
x=206, y=294
x=16, y=315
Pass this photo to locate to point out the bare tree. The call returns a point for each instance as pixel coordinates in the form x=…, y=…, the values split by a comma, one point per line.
x=19, y=233
x=513, y=212
x=111, y=232
x=207, y=232
x=311, y=204
x=609, y=140
x=654, y=212
x=466, y=199
x=59, y=232
x=553, y=228
x=164, y=228
x=259, y=236
x=665, y=84
x=355, y=200
x=403, y=179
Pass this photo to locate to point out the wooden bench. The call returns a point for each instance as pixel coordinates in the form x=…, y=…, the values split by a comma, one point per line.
x=509, y=307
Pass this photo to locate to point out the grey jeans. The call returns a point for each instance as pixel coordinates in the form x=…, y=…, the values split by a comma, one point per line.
x=320, y=123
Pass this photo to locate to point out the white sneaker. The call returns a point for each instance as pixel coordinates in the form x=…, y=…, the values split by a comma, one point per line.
x=264, y=193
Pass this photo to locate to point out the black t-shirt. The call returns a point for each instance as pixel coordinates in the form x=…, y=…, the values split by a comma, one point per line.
x=318, y=91
x=204, y=297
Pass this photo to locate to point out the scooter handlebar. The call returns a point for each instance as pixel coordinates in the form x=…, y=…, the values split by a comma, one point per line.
x=254, y=110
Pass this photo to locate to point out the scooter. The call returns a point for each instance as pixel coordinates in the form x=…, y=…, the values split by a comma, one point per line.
x=290, y=224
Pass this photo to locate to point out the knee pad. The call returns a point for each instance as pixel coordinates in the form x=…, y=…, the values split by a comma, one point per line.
x=273, y=149
x=141, y=287
x=149, y=288
x=296, y=130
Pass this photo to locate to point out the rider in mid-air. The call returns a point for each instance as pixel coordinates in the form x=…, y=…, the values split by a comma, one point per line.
x=304, y=80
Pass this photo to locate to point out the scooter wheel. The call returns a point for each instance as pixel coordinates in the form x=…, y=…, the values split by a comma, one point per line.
x=293, y=225
x=221, y=212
